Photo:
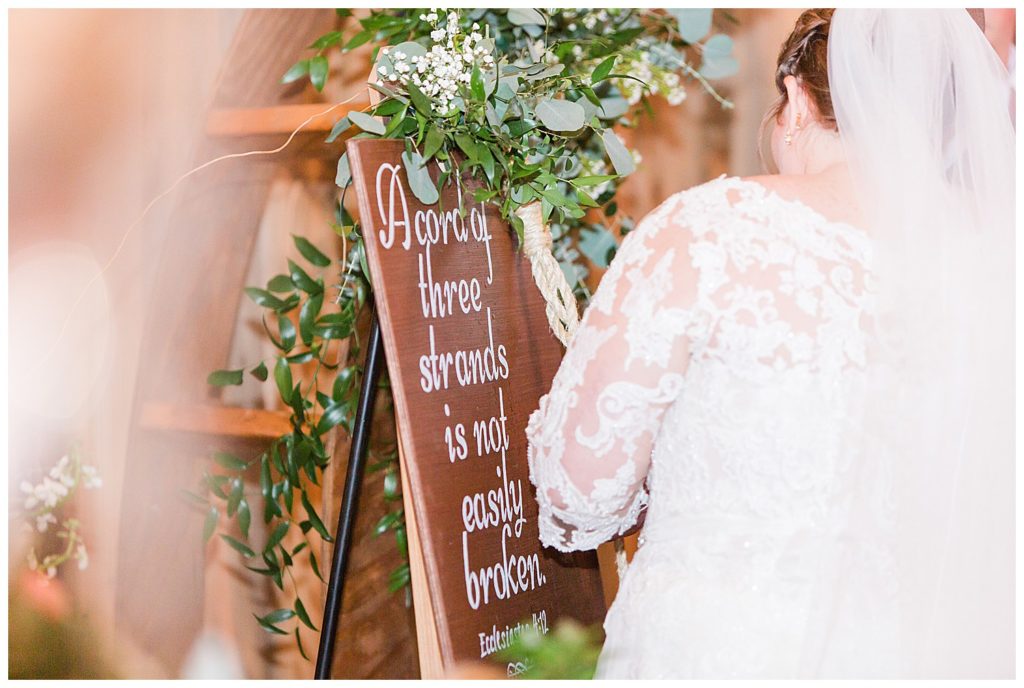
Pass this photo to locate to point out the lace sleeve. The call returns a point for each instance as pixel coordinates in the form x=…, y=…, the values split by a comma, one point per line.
x=590, y=441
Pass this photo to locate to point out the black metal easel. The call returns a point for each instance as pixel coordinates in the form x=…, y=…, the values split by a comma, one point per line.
x=350, y=499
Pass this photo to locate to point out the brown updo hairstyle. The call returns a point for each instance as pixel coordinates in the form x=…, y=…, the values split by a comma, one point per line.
x=804, y=55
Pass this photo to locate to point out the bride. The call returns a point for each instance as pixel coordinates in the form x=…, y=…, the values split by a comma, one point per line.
x=804, y=382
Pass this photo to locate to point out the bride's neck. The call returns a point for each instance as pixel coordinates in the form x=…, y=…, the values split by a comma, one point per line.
x=825, y=154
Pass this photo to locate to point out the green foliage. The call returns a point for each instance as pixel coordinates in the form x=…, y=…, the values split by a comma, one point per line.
x=306, y=320
x=559, y=81
x=533, y=123
x=568, y=651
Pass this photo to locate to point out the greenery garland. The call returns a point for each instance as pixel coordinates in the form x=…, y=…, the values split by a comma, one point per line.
x=528, y=98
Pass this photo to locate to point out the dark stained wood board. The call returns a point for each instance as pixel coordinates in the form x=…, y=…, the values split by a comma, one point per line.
x=499, y=356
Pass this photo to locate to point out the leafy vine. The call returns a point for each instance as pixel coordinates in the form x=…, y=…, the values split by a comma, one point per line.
x=522, y=100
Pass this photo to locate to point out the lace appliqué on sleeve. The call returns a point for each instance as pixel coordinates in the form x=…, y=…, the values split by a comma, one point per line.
x=590, y=441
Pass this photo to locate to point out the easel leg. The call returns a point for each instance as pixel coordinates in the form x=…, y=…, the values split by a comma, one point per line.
x=350, y=499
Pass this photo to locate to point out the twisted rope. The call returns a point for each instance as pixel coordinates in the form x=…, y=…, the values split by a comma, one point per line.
x=560, y=304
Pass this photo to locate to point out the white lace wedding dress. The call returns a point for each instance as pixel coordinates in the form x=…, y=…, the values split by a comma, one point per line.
x=722, y=352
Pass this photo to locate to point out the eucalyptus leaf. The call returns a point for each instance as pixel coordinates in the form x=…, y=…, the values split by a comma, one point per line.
x=366, y=122
x=552, y=70
x=490, y=82
x=525, y=16
x=598, y=245
x=386, y=91
x=560, y=115
x=719, y=61
x=620, y=156
x=613, y=108
x=589, y=109
x=492, y=115
x=420, y=183
x=408, y=48
x=718, y=45
x=694, y=24
x=719, y=67
x=344, y=174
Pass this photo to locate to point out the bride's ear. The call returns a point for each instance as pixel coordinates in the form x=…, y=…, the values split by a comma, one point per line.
x=798, y=114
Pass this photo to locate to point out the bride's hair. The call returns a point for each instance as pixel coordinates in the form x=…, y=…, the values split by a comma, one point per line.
x=804, y=55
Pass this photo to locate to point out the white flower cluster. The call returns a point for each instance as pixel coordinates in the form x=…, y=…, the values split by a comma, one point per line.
x=660, y=80
x=42, y=500
x=76, y=550
x=447, y=64
x=592, y=19
x=540, y=49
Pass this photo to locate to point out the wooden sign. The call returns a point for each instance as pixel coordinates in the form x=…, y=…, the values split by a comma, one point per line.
x=469, y=355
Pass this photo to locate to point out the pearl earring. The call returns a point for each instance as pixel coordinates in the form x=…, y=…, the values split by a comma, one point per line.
x=788, y=138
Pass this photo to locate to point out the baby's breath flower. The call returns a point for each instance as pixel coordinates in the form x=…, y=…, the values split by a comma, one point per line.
x=42, y=503
x=446, y=65
x=43, y=521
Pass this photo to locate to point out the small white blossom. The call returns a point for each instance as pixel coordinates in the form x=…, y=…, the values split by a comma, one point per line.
x=43, y=521
x=90, y=478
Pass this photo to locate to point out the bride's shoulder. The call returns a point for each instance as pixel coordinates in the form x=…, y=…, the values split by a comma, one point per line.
x=722, y=193
x=695, y=207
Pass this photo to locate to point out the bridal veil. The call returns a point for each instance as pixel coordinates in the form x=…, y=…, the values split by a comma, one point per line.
x=920, y=107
